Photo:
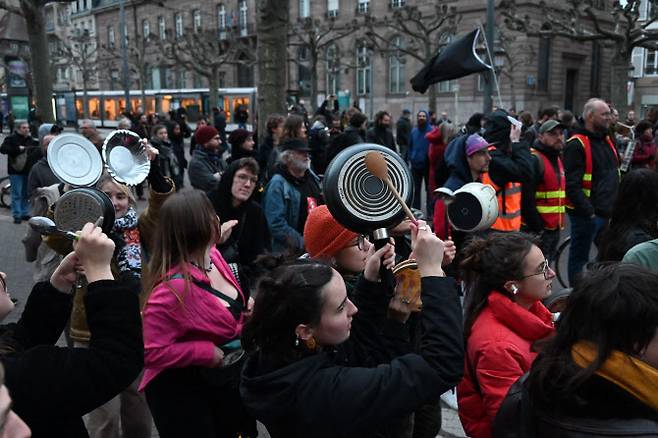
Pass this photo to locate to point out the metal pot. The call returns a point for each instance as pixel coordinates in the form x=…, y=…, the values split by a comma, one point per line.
x=78, y=206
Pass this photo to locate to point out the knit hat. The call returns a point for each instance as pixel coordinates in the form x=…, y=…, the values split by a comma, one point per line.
x=475, y=143
x=238, y=136
x=323, y=236
x=204, y=134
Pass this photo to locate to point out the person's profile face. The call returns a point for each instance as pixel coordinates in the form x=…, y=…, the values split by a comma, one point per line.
x=11, y=425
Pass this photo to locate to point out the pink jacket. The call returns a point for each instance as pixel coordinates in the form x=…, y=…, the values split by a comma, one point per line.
x=178, y=335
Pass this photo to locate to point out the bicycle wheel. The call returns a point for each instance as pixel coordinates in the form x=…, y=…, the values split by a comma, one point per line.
x=5, y=192
x=559, y=260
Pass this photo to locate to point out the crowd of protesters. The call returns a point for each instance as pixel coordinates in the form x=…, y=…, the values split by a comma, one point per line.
x=242, y=298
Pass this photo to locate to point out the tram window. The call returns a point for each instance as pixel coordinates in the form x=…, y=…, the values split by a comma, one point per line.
x=166, y=104
x=136, y=105
x=110, y=108
x=94, y=107
x=150, y=105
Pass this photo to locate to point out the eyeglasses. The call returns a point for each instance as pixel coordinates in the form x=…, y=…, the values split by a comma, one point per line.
x=360, y=243
x=544, y=269
x=244, y=178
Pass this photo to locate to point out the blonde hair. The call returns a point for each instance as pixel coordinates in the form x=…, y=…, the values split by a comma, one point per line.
x=107, y=178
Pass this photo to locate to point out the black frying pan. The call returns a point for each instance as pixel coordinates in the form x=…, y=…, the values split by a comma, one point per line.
x=78, y=206
x=360, y=201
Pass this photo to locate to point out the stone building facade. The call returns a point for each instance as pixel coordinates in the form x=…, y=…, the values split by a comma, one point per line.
x=533, y=72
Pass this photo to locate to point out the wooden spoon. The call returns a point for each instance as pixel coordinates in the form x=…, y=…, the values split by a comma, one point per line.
x=376, y=164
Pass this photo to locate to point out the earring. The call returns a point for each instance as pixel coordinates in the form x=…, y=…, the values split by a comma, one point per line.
x=310, y=343
x=515, y=289
x=297, y=342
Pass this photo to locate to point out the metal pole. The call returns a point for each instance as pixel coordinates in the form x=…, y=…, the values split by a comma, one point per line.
x=489, y=36
x=372, y=89
x=124, y=53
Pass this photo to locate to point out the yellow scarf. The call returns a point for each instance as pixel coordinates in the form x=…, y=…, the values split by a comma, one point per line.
x=632, y=375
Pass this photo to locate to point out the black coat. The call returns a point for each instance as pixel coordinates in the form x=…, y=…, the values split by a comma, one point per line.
x=380, y=136
x=319, y=393
x=11, y=147
x=53, y=387
x=605, y=176
x=349, y=137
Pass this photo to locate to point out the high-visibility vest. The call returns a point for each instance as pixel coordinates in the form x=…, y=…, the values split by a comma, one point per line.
x=587, y=176
x=550, y=195
x=509, y=205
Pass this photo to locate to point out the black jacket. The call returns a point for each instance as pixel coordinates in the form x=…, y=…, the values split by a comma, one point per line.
x=349, y=137
x=11, y=147
x=531, y=217
x=510, y=162
x=605, y=175
x=41, y=175
x=53, y=387
x=403, y=131
x=321, y=394
x=381, y=136
x=599, y=408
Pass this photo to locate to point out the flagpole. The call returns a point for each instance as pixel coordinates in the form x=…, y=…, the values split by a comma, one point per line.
x=493, y=66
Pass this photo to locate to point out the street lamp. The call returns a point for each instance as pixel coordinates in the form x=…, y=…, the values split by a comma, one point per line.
x=124, y=53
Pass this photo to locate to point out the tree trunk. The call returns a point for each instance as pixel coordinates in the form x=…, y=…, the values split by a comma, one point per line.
x=619, y=69
x=40, y=60
x=272, y=24
x=85, y=97
x=213, y=85
x=314, y=81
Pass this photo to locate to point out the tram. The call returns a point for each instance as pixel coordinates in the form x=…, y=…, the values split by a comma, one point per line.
x=106, y=106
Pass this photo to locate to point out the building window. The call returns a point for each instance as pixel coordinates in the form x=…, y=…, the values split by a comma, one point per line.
x=446, y=86
x=595, y=74
x=304, y=73
x=395, y=4
x=544, y=63
x=162, y=28
x=196, y=21
x=304, y=8
x=110, y=37
x=396, y=63
x=363, y=6
x=243, y=18
x=363, y=67
x=221, y=22
x=651, y=63
x=180, y=78
x=332, y=57
x=178, y=20
x=146, y=29
x=332, y=8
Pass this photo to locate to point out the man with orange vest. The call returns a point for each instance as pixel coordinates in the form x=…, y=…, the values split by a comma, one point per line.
x=544, y=198
x=591, y=167
x=511, y=165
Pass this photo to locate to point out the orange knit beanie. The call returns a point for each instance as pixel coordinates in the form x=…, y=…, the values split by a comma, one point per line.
x=323, y=236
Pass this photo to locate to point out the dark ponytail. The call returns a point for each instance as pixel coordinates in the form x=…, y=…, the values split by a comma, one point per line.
x=291, y=294
x=487, y=264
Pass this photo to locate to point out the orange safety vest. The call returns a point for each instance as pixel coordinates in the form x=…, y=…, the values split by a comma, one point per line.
x=550, y=193
x=509, y=205
x=587, y=176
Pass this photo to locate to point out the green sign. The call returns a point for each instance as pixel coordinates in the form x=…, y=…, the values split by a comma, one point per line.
x=20, y=106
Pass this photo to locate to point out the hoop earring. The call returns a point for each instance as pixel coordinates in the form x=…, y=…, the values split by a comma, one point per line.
x=515, y=289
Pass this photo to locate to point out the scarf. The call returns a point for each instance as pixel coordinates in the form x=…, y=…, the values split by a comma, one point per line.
x=128, y=253
x=629, y=373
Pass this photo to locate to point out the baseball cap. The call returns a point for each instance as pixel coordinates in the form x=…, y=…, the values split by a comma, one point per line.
x=549, y=125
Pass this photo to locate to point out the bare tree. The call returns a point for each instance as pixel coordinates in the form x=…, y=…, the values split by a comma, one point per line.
x=314, y=36
x=33, y=12
x=137, y=48
x=424, y=33
x=515, y=54
x=622, y=28
x=207, y=53
x=79, y=50
x=272, y=20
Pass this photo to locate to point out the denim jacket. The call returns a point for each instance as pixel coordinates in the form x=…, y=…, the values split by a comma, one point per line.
x=281, y=206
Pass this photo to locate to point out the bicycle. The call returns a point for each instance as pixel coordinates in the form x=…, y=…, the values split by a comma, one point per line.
x=5, y=192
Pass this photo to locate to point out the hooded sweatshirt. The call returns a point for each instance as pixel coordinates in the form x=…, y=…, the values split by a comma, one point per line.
x=418, y=144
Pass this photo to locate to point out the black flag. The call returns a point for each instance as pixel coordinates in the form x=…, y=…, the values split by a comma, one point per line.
x=456, y=60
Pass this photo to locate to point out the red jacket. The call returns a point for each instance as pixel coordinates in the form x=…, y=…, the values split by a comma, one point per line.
x=435, y=151
x=499, y=351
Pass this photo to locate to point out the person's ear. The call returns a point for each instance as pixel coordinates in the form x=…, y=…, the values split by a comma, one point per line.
x=304, y=332
x=511, y=287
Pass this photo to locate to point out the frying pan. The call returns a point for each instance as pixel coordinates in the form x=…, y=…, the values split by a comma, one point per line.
x=360, y=201
x=78, y=206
